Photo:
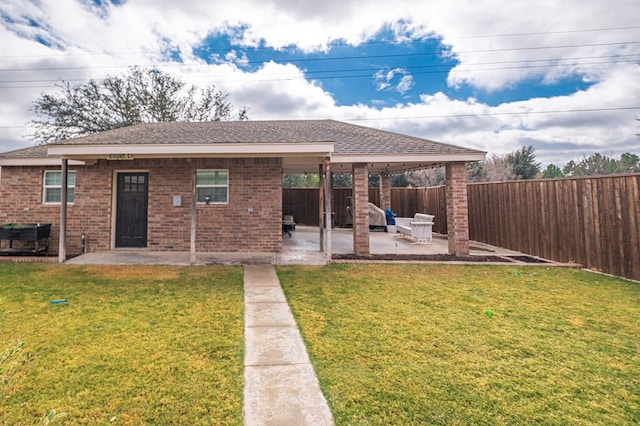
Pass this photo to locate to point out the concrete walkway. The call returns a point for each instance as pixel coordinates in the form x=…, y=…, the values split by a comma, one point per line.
x=281, y=387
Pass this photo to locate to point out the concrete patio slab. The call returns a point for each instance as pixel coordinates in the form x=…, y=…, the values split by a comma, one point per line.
x=303, y=248
x=306, y=239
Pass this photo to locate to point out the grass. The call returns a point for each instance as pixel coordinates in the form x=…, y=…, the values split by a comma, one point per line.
x=392, y=344
x=413, y=344
x=133, y=345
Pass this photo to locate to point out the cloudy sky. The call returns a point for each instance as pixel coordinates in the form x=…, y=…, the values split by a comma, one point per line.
x=561, y=75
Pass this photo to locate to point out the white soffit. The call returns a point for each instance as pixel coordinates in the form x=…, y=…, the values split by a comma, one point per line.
x=191, y=150
x=408, y=158
x=37, y=162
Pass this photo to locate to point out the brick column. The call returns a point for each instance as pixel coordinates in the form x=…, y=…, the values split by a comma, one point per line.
x=457, y=208
x=360, y=209
x=385, y=190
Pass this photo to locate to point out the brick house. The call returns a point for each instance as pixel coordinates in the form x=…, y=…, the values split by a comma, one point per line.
x=210, y=187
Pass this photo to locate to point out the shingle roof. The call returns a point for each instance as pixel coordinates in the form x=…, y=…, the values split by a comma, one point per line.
x=348, y=139
x=32, y=152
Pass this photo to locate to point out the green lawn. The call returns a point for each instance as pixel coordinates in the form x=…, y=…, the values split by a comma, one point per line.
x=414, y=344
x=133, y=345
x=392, y=344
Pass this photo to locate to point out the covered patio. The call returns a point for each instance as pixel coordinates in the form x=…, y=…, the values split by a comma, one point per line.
x=303, y=249
x=390, y=246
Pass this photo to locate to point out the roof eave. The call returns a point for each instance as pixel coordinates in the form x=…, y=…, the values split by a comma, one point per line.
x=31, y=162
x=193, y=150
x=409, y=158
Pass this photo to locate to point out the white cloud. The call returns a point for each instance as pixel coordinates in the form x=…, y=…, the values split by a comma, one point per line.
x=406, y=83
x=268, y=96
x=384, y=80
x=89, y=43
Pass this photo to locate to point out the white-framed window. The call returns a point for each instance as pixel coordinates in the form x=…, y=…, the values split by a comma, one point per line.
x=52, y=193
x=212, y=186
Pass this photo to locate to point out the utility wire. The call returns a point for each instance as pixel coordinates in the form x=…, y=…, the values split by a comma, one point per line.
x=491, y=114
x=338, y=58
x=550, y=62
x=486, y=114
x=591, y=30
x=339, y=43
x=347, y=73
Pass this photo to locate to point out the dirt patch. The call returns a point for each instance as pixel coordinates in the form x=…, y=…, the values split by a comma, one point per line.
x=528, y=259
x=12, y=258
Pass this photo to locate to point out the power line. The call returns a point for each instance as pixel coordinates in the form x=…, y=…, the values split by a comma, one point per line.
x=486, y=114
x=347, y=73
x=338, y=44
x=548, y=32
x=337, y=58
x=554, y=62
x=490, y=114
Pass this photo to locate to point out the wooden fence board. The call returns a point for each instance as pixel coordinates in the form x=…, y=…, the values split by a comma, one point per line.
x=633, y=200
x=618, y=187
x=589, y=215
x=573, y=206
x=553, y=222
x=533, y=222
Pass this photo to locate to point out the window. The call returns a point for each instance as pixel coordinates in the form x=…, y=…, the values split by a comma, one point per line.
x=52, y=193
x=212, y=186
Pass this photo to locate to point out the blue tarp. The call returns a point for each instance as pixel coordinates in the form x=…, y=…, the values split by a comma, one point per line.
x=391, y=216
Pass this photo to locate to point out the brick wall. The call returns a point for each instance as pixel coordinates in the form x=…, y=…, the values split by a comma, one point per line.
x=21, y=195
x=251, y=222
x=457, y=208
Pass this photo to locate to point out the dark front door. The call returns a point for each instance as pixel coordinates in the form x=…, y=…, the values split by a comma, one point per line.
x=131, y=212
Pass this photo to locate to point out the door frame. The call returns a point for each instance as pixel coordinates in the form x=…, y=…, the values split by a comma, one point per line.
x=114, y=205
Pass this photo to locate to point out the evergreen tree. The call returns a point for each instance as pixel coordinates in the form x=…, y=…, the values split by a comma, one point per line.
x=523, y=163
x=552, y=171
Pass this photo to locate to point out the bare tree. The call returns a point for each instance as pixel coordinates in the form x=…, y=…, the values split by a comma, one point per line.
x=139, y=96
x=493, y=169
x=429, y=177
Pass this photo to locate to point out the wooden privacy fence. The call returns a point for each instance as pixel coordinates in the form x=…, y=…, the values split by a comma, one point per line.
x=305, y=204
x=405, y=202
x=593, y=221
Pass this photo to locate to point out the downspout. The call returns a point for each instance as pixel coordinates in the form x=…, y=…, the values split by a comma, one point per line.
x=62, y=240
